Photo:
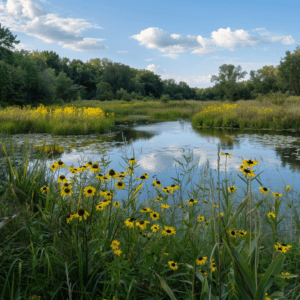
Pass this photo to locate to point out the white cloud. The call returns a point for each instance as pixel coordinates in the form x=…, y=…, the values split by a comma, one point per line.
x=155, y=69
x=122, y=51
x=171, y=55
x=28, y=17
x=149, y=59
x=156, y=38
x=21, y=46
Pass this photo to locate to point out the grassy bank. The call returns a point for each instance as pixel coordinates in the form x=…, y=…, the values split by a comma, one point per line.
x=91, y=116
x=79, y=239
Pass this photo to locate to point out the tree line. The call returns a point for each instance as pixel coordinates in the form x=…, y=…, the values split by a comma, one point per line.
x=30, y=78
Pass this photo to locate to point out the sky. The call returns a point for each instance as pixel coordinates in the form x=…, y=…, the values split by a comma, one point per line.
x=184, y=40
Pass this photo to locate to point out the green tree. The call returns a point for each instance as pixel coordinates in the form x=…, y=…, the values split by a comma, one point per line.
x=152, y=83
x=7, y=39
x=47, y=85
x=6, y=87
x=65, y=89
x=226, y=83
x=50, y=58
x=104, y=91
x=289, y=70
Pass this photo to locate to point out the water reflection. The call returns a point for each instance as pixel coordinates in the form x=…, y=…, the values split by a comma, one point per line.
x=157, y=146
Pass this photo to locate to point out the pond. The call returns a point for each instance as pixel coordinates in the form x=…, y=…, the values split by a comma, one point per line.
x=157, y=146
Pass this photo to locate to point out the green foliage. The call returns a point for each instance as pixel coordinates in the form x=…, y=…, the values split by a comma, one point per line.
x=165, y=98
x=104, y=91
x=288, y=70
x=7, y=39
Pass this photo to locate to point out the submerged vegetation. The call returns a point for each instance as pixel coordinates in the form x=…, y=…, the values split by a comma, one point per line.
x=66, y=232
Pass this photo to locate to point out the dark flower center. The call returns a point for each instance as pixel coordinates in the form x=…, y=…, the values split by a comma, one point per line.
x=108, y=194
x=280, y=248
x=68, y=216
x=157, y=182
x=142, y=222
x=172, y=185
x=60, y=163
x=62, y=177
x=231, y=188
x=111, y=172
x=90, y=191
x=44, y=188
x=265, y=189
x=250, y=162
x=173, y=264
x=131, y=158
x=284, y=245
x=192, y=200
x=233, y=232
x=67, y=190
x=143, y=177
x=100, y=174
x=168, y=231
x=95, y=166
x=154, y=215
x=200, y=258
x=120, y=184
x=226, y=153
x=90, y=163
x=81, y=212
x=132, y=220
x=247, y=171
x=241, y=233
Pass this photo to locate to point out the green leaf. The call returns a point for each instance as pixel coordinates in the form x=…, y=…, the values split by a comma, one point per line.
x=273, y=269
x=166, y=287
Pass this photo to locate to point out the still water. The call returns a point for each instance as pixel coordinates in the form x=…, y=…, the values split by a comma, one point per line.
x=156, y=147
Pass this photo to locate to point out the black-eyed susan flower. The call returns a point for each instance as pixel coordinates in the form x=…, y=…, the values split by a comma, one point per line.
x=130, y=170
x=282, y=247
x=166, y=190
x=115, y=244
x=155, y=227
x=53, y=167
x=221, y=214
x=74, y=171
x=169, y=230
x=287, y=188
x=157, y=183
x=117, y=204
x=207, y=202
x=271, y=215
x=276, y=195
x=105, y=202
x=70, y=168
x=132, y=161
x=181, y=206
x=142, y=224
x=99, y=176
x=250, y=163
x=170, y=190
x=81, y=213
x=83, y=168
x=44, y=189
x=89, y=191
x=100, y=207
x=60, y=164
x=215, y=206
x=108, y=195
x=130, y=222
x=212, y=265
x=66, y=192
x=62, y=178
x=172, y=265
x=69, y=218
x=120, y=185
x=285, y=273
x=142, y=177
x=232, y=233
x=112, y=174
x=123, y=173
x=201, y=260
x=263, y=190
x=66, y=185
x=242, y=232
x=145, y=210
x=154, y=215
x=267, y=298
x=227, y=154
x=118, y=252
x=247, y=172
x=232, y=189
x=158, y=199
x=89, y=164
x=165, y=206
x=191, y=201
x=174, y=187
x=95, y=168
x=200, y=219
x=203, y=272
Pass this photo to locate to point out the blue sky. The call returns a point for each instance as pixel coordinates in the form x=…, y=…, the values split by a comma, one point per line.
x=184, y=40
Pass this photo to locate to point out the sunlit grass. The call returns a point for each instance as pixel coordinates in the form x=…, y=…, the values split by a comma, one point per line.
x=94, y=244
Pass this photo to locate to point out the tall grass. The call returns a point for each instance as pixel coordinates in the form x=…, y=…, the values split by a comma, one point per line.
x=48, y=253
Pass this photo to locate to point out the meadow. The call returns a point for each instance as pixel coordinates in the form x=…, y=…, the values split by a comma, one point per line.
x=92, y=116
x=77, y=239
